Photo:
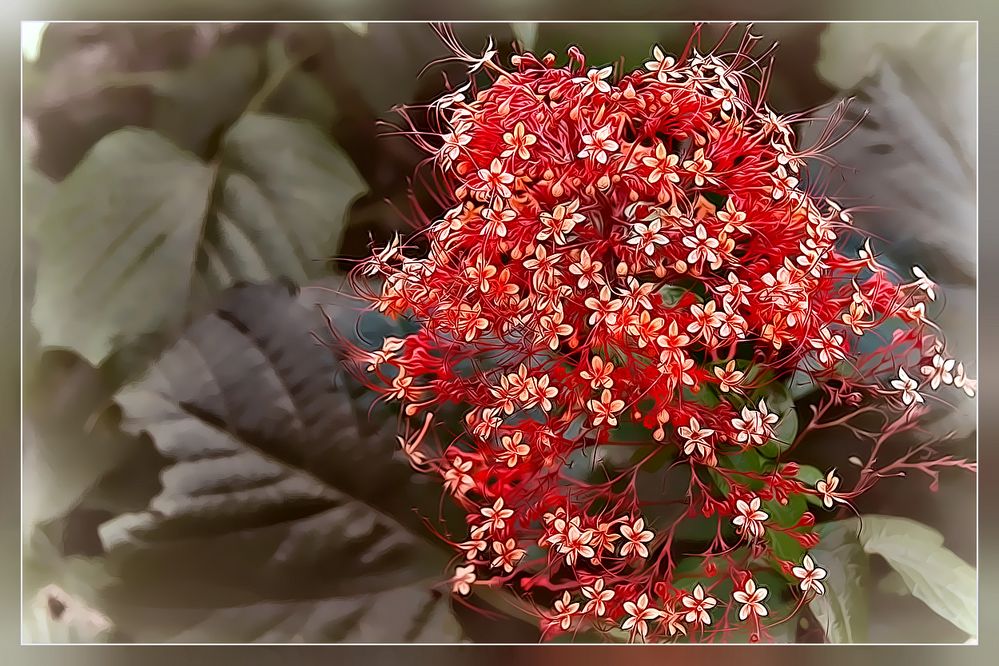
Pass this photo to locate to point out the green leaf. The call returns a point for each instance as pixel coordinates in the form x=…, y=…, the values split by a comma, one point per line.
x=287, y=512
x=141, y=231
x=785, y=546
x=842, y=610
x=194, y=104
x=786, y=515
x=291, y=91
x=809, y=476
x=931, y=572
x=801, y=384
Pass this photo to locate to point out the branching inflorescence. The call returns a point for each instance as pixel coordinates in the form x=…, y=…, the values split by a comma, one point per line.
x=638, y=250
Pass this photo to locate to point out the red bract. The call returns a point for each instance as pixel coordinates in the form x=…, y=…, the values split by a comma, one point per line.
x=630, y=250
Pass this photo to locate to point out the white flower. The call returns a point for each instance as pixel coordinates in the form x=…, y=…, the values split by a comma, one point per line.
x=962, y=381
x=636, y=536
x=698, y=606
x=565, y=608
x=827, y=489
x=750, y=518
x=598, y=144
x=463, y=579
x=695, y=436
x=751, y=597
x=907, y=385
x=598, y=598
x=639, y=614
x=595, y=81
x=810, y=575
x=495, y=515
x=939, y=371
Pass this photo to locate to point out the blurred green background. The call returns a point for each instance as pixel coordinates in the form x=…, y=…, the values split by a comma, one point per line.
x=191, y=471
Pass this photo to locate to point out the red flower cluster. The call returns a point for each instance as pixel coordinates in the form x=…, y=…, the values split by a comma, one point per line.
x=630, y=250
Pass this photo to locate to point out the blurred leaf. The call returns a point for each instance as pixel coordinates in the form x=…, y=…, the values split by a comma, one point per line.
x=390, y=63
x=91, y=79
x=61, y=468
x=195, y=104
x=842, y=610
x=360, y=27
x=141, y=230
x=911, y=161
x=914, y=144
x=58, y=593
x=290, y=91
x=287, y=512
x=54, y=616
x=31, y=39
x=932, y=573
x=801, y=383
x=526, y=34
x=809, y=475
x=894, y=584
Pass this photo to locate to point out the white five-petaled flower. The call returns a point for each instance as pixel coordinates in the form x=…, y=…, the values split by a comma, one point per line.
x=507, y=554
x=496, y=180
x=811, y=575
x=830, y=346
x=827, y=489
x=635, y=538
x=664, y=166
x=598, y=373
x=751, y=598
x=514, y=448
x=605, y=409
x=728, y=377
x=603, y=308
x=598, y=598
x=463, y=579
x=518, y=142
x=750, y=517
x=639, y=615
x=598, y=144
x=587, y=270
x=907, y=385
x=575, y=542
x=472, y=547
x=663, y=65
x=454, y=142
x=755, y=426
x=645, y=238
x=457, y=479
x=702, y=246
x=696, y=437
x=496, y=515
x=565, y=609
x=595, y=81
x=939, y=371
x=698, y=604
x=700, y=167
